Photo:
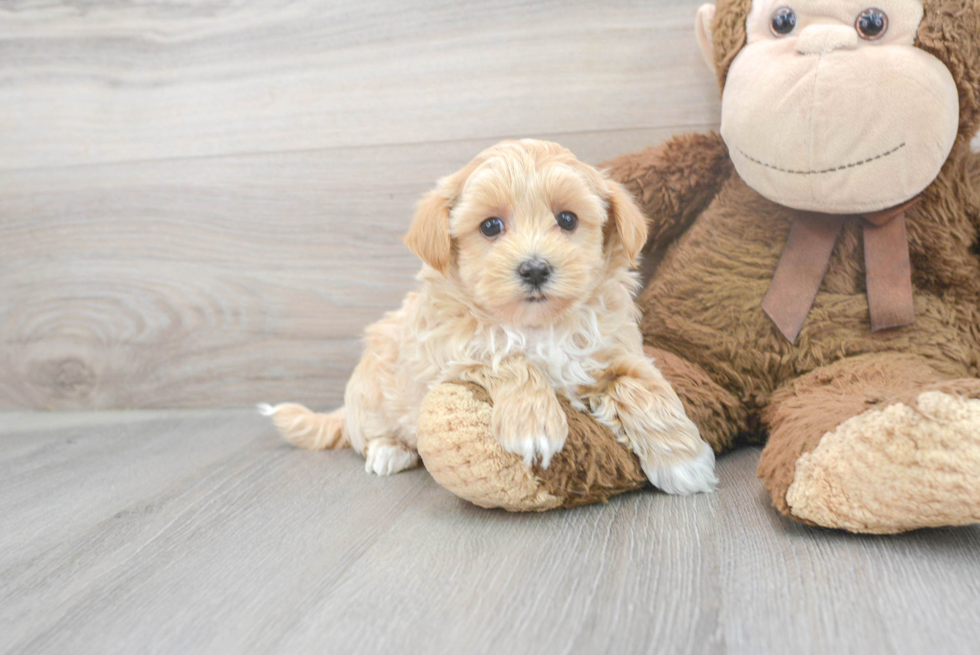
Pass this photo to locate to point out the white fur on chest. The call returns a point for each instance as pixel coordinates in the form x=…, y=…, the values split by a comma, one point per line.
x=565, y=355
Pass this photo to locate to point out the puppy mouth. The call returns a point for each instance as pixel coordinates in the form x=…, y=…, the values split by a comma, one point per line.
x=535, y=298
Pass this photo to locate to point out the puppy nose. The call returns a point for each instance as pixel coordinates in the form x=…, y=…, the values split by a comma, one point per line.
x=534, y=272
x=823, y=39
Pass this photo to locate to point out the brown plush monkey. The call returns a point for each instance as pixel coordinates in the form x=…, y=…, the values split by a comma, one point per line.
x=820, y=281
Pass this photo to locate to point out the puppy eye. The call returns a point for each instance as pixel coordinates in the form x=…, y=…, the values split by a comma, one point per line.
x=871, y=24
x=783, y=21
x=492, y=227
x=567, y=221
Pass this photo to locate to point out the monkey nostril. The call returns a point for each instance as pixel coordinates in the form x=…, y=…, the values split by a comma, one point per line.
x=534, y=272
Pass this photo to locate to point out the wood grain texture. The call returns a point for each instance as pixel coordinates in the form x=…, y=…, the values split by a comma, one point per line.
x=106, y=81
x=199, y=532
x=209, y=282
x=202, y=203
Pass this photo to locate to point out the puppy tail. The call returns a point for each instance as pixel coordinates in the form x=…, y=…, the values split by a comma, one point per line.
x=301, y=427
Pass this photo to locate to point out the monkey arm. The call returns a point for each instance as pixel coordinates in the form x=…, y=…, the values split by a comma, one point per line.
x=675, y=181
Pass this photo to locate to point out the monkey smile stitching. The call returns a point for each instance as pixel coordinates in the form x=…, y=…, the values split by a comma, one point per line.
x=826, y=170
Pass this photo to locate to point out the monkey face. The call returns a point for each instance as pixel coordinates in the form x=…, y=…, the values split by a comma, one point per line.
x=831, y=107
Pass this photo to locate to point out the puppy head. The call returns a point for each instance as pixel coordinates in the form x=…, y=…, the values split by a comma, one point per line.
x=527, y=231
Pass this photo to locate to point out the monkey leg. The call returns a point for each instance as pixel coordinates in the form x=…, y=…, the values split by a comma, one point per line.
x=719, y=415
x=879, y=443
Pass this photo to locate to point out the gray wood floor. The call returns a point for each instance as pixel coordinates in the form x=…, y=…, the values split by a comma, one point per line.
x=197, y=531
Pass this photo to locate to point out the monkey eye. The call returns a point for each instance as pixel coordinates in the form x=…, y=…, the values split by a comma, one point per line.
x=491, y=227
x=567, y=221
x=871, y=24
x=783, y=21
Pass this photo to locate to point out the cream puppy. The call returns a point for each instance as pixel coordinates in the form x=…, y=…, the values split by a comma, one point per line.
x=526, y=289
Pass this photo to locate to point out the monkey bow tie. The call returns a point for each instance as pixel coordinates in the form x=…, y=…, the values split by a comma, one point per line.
x=806, y=256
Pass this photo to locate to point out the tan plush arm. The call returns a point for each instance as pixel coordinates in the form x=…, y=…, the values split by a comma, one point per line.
x=675, y=181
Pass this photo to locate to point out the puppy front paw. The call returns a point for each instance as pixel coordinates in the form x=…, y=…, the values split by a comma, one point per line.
x=533, y=426
x=652, y=420
x=688, y=476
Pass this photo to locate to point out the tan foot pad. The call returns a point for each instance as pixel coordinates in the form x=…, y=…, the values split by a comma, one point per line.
x=895, y=469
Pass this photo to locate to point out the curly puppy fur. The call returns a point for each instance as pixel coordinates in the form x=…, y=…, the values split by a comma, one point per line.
x=478, y=318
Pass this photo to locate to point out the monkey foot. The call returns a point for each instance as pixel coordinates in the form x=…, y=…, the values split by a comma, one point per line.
x=894, y=469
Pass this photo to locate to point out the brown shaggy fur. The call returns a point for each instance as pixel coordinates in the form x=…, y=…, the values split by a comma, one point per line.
x=715, y=410
x=592, y=467
x=731, y=367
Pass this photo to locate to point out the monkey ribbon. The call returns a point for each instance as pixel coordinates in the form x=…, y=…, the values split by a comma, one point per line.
x=806, y=256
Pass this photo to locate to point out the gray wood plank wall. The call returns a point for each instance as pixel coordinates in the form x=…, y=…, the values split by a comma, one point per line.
x=201, y=202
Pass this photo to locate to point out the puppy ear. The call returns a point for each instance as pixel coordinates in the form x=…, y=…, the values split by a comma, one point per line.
x=629, y=222
x=428, y=237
